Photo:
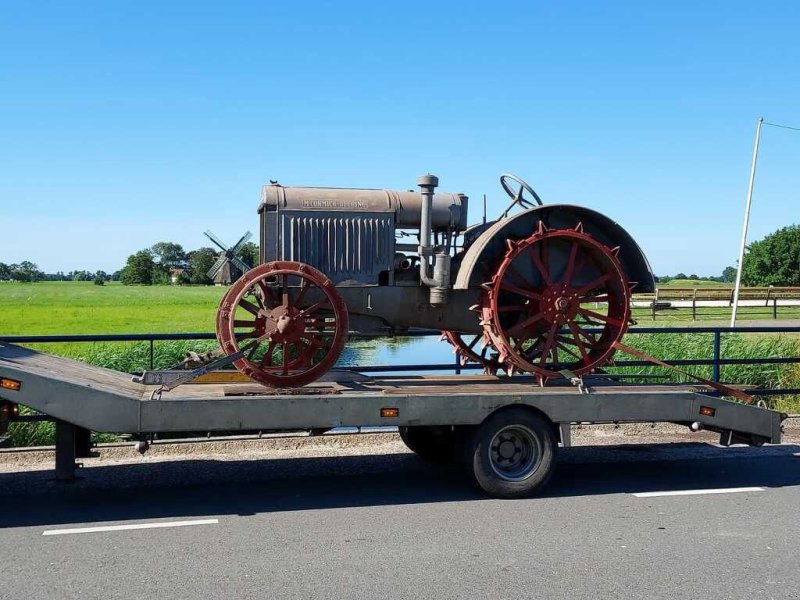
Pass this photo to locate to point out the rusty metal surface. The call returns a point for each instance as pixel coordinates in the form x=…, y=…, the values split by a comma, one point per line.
x=481, y=255
x=449, y=210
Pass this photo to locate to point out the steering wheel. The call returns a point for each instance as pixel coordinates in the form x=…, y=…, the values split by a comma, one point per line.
x=508, y=181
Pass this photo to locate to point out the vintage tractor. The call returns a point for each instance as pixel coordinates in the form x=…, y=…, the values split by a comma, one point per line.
x=544, y=289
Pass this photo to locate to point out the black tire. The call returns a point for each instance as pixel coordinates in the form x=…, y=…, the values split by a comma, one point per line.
x=434, y=444
x=512, y=453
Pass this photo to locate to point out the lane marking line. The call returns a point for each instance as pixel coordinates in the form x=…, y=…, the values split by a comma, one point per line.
x=160, y=525
x=699, y=492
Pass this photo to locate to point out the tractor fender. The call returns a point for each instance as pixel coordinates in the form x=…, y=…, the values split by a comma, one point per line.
x=481, y=257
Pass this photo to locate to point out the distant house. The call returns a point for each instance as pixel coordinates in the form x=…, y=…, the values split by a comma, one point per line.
x=175, y=275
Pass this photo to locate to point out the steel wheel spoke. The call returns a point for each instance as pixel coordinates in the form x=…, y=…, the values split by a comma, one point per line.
x=513, y=308
x=596, y=315
x=303, y=289
x=516, y=275
x=249, y=307
x=573, y=327
x=570, y=263
x=548, y=343
x=266, y=360
x=595, y=299
x=509, y=287
x=537, y=261
x=241, y=323
x=590, y=286
x=285, y=302
x=561, y=345
x=523, y=324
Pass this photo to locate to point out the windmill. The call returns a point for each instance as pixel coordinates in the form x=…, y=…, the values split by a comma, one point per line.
x=229, y=266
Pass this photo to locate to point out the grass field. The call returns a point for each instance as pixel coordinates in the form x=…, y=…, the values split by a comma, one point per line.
x=67, y=307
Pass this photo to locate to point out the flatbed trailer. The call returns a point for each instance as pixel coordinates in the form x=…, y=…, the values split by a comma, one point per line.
x=506, y=430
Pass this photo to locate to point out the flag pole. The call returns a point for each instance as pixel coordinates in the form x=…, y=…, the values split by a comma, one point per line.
x=746, y=220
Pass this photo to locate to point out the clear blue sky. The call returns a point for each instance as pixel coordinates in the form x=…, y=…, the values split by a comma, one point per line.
x=126, y=123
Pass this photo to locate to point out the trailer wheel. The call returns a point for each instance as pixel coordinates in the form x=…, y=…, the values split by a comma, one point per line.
x=512, y=453
x=434, y=444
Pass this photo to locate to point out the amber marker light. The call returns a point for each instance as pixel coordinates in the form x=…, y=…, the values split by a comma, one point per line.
x=10, y=384
x=707, y=411
x=389, y=413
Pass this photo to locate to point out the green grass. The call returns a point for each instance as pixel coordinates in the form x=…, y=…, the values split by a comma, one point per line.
x=60, y=308
x=694, y=283
x=680, y=346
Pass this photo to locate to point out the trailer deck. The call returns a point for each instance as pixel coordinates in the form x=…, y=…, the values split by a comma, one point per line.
x=100, y=399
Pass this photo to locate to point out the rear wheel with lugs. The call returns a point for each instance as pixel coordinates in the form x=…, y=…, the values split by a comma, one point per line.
x=558, y=300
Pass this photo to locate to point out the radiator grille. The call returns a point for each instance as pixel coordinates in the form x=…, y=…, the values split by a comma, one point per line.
x=354, y=248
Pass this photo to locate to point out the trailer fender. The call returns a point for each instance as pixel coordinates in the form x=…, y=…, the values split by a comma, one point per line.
x=481, y=256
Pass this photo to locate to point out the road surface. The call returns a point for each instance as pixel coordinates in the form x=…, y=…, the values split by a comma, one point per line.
x=391, y=526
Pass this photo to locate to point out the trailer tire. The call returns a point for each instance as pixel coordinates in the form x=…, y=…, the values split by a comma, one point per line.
x=512, y=453
x=431, y=443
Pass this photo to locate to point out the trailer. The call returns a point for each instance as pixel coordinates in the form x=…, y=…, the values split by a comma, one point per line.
x=506, y=430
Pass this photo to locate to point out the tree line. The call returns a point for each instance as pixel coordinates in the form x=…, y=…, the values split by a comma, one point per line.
x=167, y=261
x=774, y=260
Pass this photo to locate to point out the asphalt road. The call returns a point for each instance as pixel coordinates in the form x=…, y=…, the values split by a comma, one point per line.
x=393, y=527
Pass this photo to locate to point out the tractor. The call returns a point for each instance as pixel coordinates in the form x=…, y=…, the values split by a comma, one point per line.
x=543, y=289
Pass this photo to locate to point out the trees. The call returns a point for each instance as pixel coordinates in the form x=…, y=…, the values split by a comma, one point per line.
x=200, y=261
x=25, y=271
x=5, y=272
x=139, y=269
x=728, y=275
x=169, y=255
x=249, y=254
x=774, y=260
x=154, y=265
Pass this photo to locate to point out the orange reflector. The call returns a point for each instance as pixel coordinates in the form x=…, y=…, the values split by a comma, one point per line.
x=388, y=413
x=10, y=384
x=707, y=411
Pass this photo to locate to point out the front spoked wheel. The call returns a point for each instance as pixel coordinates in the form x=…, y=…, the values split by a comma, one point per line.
x=289, y=321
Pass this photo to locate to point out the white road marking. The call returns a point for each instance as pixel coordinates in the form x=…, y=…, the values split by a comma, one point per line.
x=158, y=525
x=699, y=492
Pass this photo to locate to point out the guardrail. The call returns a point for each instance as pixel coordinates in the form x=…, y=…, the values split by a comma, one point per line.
x=716, y=362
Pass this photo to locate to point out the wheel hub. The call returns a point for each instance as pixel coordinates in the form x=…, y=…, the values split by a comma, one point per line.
x=514, y=453
x=289, y=325
x=507, y=450
x=559, y=303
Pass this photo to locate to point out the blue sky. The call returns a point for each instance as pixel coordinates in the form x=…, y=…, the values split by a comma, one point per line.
x=128, y=123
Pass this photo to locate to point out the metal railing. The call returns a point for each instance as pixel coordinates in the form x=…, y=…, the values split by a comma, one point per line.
x=716, y=362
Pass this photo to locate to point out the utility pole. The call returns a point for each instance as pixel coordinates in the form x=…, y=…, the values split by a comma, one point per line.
x=746, y=220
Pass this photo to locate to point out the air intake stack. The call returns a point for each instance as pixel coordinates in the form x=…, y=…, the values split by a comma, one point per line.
x=440, y=282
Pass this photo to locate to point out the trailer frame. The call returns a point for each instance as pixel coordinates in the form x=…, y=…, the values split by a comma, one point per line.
x=84, y=397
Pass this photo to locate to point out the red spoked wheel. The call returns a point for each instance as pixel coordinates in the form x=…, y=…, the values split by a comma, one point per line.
x=547, y=293
x=289, y=321
x=475, y=348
